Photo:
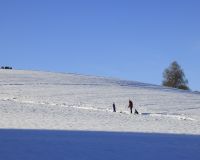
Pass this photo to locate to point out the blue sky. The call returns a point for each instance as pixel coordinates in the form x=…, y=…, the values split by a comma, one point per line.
x=134, y=40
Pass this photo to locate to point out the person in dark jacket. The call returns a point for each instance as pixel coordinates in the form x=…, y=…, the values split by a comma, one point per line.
x=114, y=107
x=130, y=106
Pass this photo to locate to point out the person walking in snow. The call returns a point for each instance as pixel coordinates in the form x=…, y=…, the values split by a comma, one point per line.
x=114, y=107
x=130, y=106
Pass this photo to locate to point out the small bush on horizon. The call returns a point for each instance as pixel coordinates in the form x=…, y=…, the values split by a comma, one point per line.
x=6, y=67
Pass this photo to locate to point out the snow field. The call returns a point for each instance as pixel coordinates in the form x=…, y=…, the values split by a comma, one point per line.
x=69, y=116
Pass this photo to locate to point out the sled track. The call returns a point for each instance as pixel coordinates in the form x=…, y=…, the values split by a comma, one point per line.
x=165, y=115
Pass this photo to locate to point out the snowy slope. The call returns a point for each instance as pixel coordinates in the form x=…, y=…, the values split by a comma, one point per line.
x=38, y=108
x=42, y=100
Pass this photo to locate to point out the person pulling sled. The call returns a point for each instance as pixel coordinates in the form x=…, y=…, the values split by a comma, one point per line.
x=131, y=107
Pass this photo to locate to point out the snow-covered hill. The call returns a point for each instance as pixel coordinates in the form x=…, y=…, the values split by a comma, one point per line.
x=71, y=102
x=42, y=100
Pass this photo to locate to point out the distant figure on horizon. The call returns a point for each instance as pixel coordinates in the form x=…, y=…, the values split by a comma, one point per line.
x=114, y=107
x=130, y=106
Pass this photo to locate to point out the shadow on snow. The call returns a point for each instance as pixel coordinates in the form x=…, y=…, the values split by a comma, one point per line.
x=18, y=144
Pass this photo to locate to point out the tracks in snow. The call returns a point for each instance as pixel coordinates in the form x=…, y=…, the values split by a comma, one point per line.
x=165, y=115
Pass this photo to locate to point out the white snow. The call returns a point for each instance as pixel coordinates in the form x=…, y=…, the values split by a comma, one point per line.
x=37, y=108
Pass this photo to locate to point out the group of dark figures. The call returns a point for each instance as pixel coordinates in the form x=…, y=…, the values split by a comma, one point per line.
x=130, y=106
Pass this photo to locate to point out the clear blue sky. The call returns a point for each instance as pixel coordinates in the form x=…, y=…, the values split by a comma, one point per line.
x=127, y=39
